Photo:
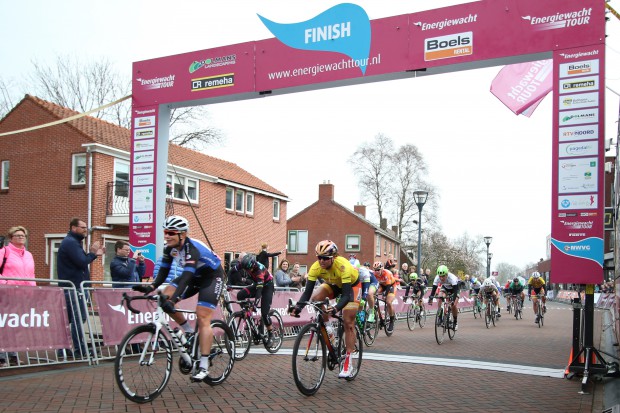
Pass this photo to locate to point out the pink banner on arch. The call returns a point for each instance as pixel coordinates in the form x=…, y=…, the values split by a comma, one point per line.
x=522, y=86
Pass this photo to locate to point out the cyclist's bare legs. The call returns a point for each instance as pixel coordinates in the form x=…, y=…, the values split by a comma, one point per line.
x=348, y=315
x=204, y=315
x=388, y=301
x=370, y=297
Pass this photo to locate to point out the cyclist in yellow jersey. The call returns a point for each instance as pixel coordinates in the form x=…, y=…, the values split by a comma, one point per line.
x=537, y=283
x=341, y=279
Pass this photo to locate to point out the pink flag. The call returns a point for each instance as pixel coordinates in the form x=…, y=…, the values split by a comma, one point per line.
x=523, y=86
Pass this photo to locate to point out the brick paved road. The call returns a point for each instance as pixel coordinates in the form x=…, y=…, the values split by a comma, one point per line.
x=264, y=382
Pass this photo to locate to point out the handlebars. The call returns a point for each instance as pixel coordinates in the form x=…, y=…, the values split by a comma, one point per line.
x=160, y=298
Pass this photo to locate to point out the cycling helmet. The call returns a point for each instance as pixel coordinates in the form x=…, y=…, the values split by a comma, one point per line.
x=176, y=223
x=413, y=277
x=326, y=247
x=516, y=280
x=536, y=274
x=367, y=264
x=248, y=261
x=442, y=270
x=377, y=266
x=474, y=279
x=487, y=283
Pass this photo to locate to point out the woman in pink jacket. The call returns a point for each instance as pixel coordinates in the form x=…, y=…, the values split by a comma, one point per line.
x=19, y=261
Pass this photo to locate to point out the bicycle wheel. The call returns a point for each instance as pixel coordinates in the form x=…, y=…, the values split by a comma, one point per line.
x=412, y=315
x=309, y=360
x=142, y=376
x=487, y=315
x=542, y=317
x=222, y=356
x=242, y=334
x=422, y=317
x=476, y=309
x=450, y=326
x=440, y=331
x=277, y=328
x=371, y=330
x=493, y=313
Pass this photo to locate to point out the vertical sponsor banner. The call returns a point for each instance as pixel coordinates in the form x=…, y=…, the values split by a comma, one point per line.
x=143, y=183
x=33, y=318
x=578, y=191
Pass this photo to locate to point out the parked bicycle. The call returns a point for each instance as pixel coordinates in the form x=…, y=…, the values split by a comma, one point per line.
x=313, y=351
x=444, y=320
x=248, y=327
x=143, y=364
x=416, y=313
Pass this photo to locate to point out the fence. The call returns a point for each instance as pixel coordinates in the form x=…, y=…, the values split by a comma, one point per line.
x=36, y=322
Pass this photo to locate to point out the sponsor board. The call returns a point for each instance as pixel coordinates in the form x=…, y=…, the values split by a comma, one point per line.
x=571, y=149
x=572, y=202
x=146, y=156
x=586, y=67
x=578, y=117
x=578, y=133
x=139, y=180
x=144, y=133
x=144, y=168
x=144, y=122
x=157, y=82
x=579, y=84
x=142, y=199
x=145, y=145
x=578, y=175
x=213, y=82
x=561, y=20
x=446, y=47
x=450, y=22
x=581, y=100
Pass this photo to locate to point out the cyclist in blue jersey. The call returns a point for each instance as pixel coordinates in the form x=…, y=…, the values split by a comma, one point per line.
x=202, y=274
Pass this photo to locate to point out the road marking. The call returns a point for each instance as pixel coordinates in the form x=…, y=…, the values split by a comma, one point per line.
x=437, y=361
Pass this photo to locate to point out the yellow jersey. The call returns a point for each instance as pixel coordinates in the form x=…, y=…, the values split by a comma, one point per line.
x=536, y=282
x=340, y=272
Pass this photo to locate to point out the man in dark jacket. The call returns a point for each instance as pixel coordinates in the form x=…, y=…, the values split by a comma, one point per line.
x=124, y=268
x=263, y=256
x=73, y=265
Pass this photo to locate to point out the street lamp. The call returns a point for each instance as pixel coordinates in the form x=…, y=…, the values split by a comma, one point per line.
x=489, y=261
x=487, y=240
x=420, y=200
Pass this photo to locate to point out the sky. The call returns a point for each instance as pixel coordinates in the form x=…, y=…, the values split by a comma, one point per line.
x=492, y=168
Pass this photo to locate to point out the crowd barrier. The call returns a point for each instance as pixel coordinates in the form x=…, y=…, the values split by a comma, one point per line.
x=35, y=321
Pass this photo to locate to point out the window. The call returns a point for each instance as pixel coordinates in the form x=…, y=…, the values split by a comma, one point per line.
x=181, y=188
x=239, y=200
x=303, y=269
x=121, y=178
x=276, y=209
x=78, y=169
x=228, y=257
x=352, y=243
x=5, y=175
x=298, y=242
x=249, y=203
x=385, y=247
x=55, y=245
x=110, y=253
x=378, y=246
x=229, y=198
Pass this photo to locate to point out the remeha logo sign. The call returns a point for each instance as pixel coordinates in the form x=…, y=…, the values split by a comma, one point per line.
x=344, y=28
x=446, y=47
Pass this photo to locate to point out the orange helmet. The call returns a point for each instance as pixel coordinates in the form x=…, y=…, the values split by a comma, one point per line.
x=377, y=266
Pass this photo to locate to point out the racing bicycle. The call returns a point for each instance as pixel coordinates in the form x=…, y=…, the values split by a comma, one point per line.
x=143, y=364
x=313, y=351
x=248, y=328
x=444, y=319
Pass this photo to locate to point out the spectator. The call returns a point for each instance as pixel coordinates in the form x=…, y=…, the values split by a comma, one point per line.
x=237, y=276
x=354, y=261
x=404, y=273
x=125, y=269
x=294, y=272
x=263, y=256
x=19, y=264
x=283, y=279
x=73, y=265
x=390, y=263
x=425, y=276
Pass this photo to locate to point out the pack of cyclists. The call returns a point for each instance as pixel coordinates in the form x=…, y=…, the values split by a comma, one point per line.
x=345, y=280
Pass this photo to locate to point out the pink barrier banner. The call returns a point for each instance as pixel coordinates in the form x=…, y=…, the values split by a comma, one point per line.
x=117, y=320
x=33, y=318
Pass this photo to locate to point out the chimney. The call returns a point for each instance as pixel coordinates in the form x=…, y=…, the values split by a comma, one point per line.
x=360, y=210
x=395, y=229
x=326, y=191
x=383, y=224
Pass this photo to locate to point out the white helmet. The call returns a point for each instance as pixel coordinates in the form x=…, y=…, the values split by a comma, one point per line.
x=536, y=274
x=176, y=223
x=487, y=283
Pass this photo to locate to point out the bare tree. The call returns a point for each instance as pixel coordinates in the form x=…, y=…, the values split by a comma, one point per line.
x=84, y=86
x=373, y=166
x=409, y=168
x=507, y=271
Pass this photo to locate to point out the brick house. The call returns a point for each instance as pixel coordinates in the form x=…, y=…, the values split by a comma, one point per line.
x=81, y=168
x=350, y=230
